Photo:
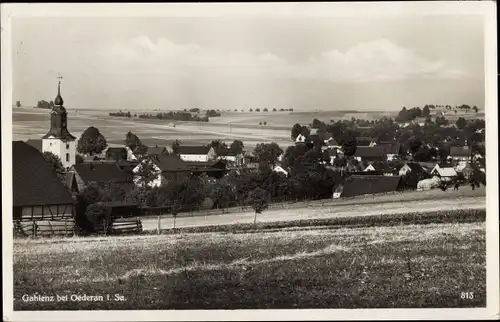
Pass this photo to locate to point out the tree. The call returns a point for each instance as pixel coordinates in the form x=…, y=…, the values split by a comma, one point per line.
x=257, y=110
x=18, y=104
x=114, y=192
x=349, y=145
x=146, y=173
x=89, y=195
x=91, y=142
x=99, y=214
x=267, y=153
x=426, y=111
x=265, y=123
x=296, y=130
x=259, y=200
x=175, y=146
x=264, y=110
x=79, y=159
x=219, y=147
x=475, y=108
x=441, y=120
x=236, y=147
x=192, y=194
x=461, y=123
x=274, y=110
x=55, y=163
x=132, y=141
x=414, y=144
x=222, y=195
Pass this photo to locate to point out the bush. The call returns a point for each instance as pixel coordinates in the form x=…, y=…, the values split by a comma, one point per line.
x=99, y=215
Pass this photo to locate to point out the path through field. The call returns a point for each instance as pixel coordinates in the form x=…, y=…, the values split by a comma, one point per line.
x=328, y=211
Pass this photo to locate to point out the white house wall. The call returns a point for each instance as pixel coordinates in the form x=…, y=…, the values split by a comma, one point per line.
x=66, y=151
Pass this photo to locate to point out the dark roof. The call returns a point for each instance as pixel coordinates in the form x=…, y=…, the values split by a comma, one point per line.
x=169, y=163
x=364, y=141
x=156, y=150
x=391, y=148
x=116, y=150
x=381, y=167
x=37, y=144
x=227, y=154
x=34, y=181
x=116, y=153
x=460, y=151
x=332, y=140
x=187, y=149
x=370, y=151
x=70, y=181
x=369, y=184
x=206, y=166
x=101, y=172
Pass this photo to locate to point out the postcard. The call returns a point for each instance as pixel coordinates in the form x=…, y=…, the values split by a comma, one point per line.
x=250, y=161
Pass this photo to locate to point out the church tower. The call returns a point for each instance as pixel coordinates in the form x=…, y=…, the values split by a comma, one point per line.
x=58, y=140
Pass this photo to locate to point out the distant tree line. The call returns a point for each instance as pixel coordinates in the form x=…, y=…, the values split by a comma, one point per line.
x=120, y=114
x=44, y=104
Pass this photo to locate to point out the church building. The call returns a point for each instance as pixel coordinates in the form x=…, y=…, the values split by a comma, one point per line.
x=58, y=140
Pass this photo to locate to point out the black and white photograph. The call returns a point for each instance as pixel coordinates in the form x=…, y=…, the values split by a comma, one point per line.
x=250, y=161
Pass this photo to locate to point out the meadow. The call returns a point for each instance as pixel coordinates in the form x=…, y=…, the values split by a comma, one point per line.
x=403, y=266
x=30, y=123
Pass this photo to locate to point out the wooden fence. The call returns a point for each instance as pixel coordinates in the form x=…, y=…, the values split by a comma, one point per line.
x=120, y=226
x=44, y=228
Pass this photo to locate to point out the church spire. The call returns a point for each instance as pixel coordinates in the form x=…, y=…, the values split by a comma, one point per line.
x=58, y=101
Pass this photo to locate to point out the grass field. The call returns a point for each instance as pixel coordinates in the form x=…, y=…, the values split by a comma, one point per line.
x=395, y=266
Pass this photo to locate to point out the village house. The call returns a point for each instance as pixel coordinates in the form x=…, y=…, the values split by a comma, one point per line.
x=444, y=172
x=279, y=169
x=116, y=154
x=460, y=154
x=331, y=143
x=38, y=194
x=236, y=159
x=467, y=171
x=103, y=174
x=363, y=141
x=302, y=139
x=412, y=167
x=392, y=150
x=380, y=167
x=165, y=168
x=197, y=153
x=213, y=169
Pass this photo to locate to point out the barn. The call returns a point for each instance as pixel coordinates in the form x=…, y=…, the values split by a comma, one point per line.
x=39, y=196
x=358, y=185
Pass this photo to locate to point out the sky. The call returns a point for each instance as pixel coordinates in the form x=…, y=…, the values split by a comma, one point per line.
x=305, y=63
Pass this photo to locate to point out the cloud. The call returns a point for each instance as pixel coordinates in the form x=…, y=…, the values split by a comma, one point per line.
x=378, y=60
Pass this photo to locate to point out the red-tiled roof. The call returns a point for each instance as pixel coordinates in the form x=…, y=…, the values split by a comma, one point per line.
x=34, y=181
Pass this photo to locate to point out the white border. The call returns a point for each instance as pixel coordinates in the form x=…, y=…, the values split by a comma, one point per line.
x=485, y=8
